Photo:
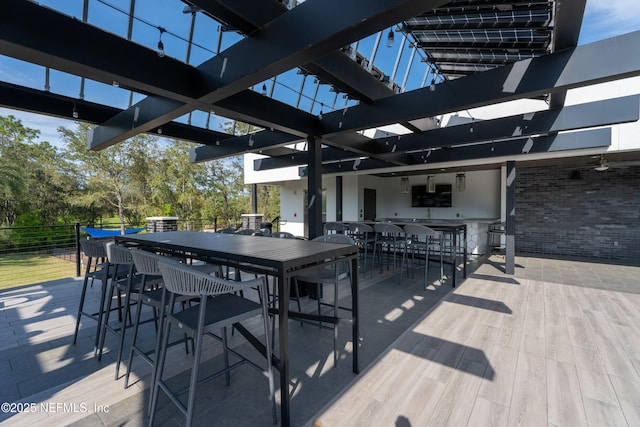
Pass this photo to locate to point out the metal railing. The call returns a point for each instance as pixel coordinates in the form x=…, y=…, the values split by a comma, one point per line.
x=35, y=254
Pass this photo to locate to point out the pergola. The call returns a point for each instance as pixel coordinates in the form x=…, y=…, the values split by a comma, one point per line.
x=470, y=53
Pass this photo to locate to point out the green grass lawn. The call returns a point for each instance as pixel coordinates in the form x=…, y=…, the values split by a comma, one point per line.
x=26, y=269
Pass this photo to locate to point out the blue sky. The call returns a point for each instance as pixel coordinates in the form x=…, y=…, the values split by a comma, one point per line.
x=603, y=19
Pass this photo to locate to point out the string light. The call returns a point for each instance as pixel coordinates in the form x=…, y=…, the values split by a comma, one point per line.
x=390, y=38
x=74, y=113
x=160, y=44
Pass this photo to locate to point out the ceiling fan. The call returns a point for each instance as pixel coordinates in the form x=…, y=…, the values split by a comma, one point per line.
x=603, y=164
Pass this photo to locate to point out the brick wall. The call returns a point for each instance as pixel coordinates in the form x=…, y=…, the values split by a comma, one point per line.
x=577, y=211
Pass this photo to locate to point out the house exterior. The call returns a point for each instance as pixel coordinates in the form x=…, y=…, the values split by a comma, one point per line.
x=564, y=205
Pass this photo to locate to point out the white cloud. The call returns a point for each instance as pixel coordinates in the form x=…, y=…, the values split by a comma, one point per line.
x=609, y=18
x=47, y=125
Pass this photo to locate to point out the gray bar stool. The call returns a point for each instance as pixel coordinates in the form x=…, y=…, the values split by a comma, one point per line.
x=219, y=307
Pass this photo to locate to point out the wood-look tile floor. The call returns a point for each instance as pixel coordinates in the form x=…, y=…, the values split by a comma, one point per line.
x=558, y=344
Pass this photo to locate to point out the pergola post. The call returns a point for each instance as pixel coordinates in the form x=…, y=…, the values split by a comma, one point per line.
x=510, y=226
x=314, y=184
x=339, y=198
x=254, y=198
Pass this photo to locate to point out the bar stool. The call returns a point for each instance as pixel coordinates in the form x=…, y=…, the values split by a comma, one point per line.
x=393, y=238
x=363, y=235
x=335, y=228
x=328, y=275
x=146, y=264
x=95, y=251
x=219, y=307
x=495, y=234
x=422, y=238
x=130, y=286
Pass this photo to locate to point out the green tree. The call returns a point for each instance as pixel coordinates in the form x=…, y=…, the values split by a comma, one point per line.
x=268, y=196
x=110, y=179
x=15, y=165
x=176, y=183
x=227, y=195
x=12, y=188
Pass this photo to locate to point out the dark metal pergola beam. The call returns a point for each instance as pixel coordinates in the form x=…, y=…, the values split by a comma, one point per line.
x=241, y=15
x=336, y=68
x=26, y=33
x=525, y=79
x=566, y=34
x=101, y=57
x=617, y=59
x=394, y=148
x=42, y=102
x=551, y=143
x=271, y=51
x=599, y=113
x=252, y=143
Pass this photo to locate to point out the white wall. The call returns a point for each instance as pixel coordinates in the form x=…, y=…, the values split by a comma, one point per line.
x=292, y=207
x=481, y=198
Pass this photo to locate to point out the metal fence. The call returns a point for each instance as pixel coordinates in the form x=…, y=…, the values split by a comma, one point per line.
x=35, y=254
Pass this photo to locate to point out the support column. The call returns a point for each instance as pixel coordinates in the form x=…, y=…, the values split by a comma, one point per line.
x=510, y=226
x=254, y=198
x=314, y=186
x=338, y=198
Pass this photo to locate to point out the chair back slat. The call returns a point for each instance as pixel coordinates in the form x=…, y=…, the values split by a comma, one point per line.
x=187, y=280
x=146, y=262
x=118, y=255
x=93, y=248
x=419, y=230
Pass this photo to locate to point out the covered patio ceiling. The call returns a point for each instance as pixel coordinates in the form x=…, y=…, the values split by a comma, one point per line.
x=346, y=67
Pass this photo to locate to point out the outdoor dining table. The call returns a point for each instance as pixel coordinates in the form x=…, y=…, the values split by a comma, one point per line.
x=452, y=227
x=280, y=258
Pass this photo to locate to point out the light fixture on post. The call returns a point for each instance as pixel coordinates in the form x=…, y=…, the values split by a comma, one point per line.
x=431, y=183
x=461, y=181
x=390, y=38
x=160, y=44
x=404, y=185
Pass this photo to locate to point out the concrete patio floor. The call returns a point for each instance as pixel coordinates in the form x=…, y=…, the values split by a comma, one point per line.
x=556, y=344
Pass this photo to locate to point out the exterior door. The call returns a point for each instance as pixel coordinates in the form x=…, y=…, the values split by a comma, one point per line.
x=370, y=204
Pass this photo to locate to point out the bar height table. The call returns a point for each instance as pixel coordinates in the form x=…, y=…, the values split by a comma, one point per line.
x=282, y=258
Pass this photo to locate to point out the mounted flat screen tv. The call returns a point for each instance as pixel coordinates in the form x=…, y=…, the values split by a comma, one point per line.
x=441, y=198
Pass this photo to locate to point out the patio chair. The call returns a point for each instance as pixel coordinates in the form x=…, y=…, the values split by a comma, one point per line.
x=130, y=287
x=335, y=228
x=219, y=307
x=327, y=275
x=364, y=235
x=246, y=232
x=227, y=230
x=421, y=238
x=146, y=264
x=393, y=238
x=95, y=251
x=283, y=235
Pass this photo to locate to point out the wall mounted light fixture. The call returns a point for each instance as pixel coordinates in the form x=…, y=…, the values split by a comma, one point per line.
x=461, y=181
x=431, y=184
x=404, y=185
